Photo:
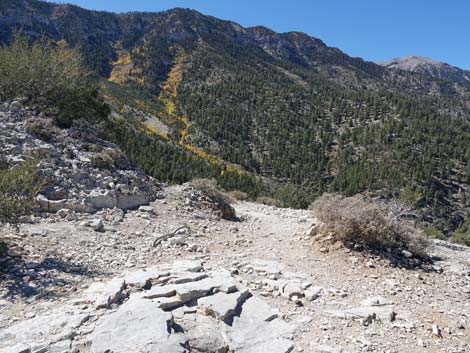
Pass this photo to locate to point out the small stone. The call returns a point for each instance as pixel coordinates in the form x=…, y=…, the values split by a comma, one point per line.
x=436, y=331
x=97, y=225
x=147, y=209
x=312, y=293
x=63, y=212
x=407, y=254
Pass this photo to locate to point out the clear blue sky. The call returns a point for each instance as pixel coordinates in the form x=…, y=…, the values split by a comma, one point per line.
x=372, y=29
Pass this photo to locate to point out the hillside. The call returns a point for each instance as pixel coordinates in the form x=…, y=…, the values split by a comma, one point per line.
x=249, y=103
x=112, y=261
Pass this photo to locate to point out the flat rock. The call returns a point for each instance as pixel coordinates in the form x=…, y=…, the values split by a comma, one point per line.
x=252, y=333
x=159, y=292
x=259, y=310
x=376, y=301
x=143, y=278
x=41, y=330
x=222, y=306
x=188, y=277
x=220, y=281
x=384, y=313
x=186, y=266
x=267, y=266
x=204, y=333
x=252, y=336
x=139, y=325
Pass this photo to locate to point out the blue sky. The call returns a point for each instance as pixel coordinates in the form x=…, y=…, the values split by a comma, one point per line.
x=372, y=29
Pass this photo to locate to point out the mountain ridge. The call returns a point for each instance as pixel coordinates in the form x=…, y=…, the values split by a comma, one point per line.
x=428, y=66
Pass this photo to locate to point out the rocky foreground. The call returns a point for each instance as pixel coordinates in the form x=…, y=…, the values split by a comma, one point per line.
x=114, y=262
x=258, y=285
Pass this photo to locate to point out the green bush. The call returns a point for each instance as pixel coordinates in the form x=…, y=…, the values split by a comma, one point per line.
x=434, y=233
x=410, y=197
x=18, y=187
x=52, y=77
x=462, y=235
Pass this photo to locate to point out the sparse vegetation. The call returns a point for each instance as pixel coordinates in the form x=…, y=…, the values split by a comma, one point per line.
x=410, y=196
x=462, y=234
x=43, y=129
x=434, y=233
x=110, y=159
x=18, y=187
x=269, y=201
x=368, y=223
x=237, y=195
x=51, y=76
x=221, y=200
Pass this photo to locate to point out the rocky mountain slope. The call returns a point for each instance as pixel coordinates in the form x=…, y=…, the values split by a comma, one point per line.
x=80, y=171
x=428, y=67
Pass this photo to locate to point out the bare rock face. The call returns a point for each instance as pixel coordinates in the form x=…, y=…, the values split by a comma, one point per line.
x=165, y=309
x=81, y=172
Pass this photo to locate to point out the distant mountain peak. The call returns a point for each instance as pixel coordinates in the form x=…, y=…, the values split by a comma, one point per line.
x=428, y=66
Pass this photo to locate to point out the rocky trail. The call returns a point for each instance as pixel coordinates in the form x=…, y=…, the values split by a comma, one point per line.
x=258, y=285
x=115, y=262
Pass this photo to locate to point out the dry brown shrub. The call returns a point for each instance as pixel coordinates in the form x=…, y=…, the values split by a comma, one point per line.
x=43, y=129
x=220, y=200
x=109, y=159
x=237, y=195
x=367, y=222
x=269, y=201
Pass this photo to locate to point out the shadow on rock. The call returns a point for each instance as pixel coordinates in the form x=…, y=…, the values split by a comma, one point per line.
x=51, y=277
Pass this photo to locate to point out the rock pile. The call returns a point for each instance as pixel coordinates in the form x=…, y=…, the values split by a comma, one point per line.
x=82, y=172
